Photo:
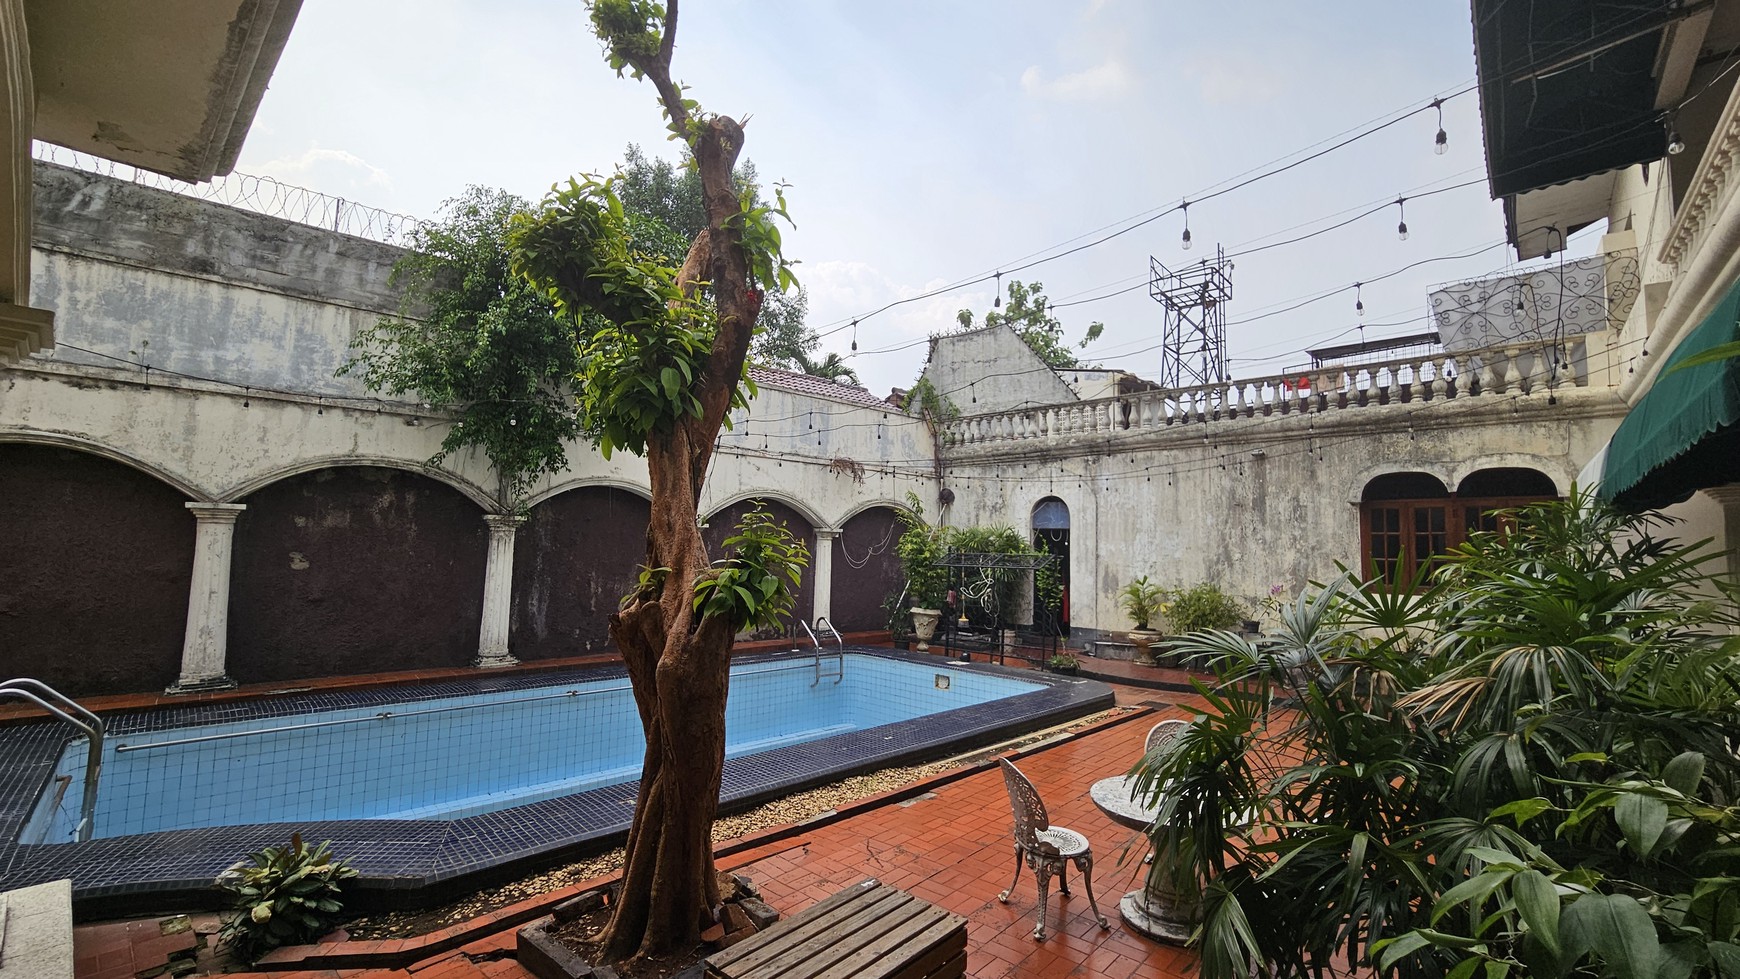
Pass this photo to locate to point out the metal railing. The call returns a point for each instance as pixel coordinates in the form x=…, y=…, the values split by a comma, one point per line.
x=25, y=688
x=839, y=655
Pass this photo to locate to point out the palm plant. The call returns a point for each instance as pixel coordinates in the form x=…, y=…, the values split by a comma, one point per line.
x=1388, y=778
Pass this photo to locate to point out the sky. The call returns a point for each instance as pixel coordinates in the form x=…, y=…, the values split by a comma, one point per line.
x=928, y=143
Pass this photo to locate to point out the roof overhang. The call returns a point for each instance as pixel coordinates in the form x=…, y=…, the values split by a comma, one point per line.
x=165, y=85
x=1570, y=88
x=1538, y=222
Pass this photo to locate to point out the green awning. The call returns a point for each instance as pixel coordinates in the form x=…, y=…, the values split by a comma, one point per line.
x=1681, y=436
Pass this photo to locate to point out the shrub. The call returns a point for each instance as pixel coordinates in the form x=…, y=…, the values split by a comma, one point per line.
x=290, y=896
x=1523, y=766
x=920, y=548
x=1141, y=601
x=1200, y=608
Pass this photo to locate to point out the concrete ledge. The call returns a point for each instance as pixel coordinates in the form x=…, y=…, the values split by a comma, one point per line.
x=36, y=931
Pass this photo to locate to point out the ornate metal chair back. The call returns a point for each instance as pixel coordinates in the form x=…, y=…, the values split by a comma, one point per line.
x=1162, y=735
x=1029, y=809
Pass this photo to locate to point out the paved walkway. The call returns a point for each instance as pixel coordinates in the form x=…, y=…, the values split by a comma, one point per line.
x=951, y=846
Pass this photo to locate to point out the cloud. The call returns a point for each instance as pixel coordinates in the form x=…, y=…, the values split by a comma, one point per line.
x=319, y=159
x=1107, y=80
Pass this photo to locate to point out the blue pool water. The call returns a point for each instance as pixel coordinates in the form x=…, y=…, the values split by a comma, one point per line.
x=462, y=756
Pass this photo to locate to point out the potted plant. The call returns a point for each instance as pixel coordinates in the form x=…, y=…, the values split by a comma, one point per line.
x=895, y=610
x=1063, y=663
x=1141, y=600
x=921, y=549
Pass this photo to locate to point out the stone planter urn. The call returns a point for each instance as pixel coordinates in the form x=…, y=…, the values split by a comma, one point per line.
x=924, y=622
x=1143, y=640
x=1160, y=912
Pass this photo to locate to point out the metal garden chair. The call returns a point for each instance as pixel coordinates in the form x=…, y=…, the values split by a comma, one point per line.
x=1046, y=848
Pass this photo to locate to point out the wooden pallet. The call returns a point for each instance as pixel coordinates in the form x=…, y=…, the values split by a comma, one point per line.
x=867, y=931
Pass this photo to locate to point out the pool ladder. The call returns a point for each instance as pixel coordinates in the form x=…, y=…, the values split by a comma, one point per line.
x=838, y=655
x=65, y=708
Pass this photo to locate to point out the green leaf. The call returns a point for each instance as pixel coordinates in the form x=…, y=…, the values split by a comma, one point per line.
x=1641, y=819
x=1393, y=950
x=1726, y=957
x=1523, y=809
x=1684, y=773
x=1537, y=900
x=1474, y=891
x=1617, y=929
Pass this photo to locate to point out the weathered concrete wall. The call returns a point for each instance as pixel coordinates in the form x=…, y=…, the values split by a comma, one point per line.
x=94, y=566
x=1253, y=502
x=990, y=369
x=575, y=557
x=354, y=569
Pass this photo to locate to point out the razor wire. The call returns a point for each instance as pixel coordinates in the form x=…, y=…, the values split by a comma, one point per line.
x=259, y=194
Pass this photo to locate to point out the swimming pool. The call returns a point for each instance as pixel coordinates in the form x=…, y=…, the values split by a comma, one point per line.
x=429, y=788
x=462, y=756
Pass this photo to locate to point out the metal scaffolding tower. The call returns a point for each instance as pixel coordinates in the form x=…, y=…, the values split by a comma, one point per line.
x=1193, y=302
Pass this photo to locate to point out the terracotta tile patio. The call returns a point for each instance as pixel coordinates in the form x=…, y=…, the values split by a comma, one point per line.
x=950, y=845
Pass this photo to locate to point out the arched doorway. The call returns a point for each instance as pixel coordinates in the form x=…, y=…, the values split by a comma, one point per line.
x=575, y=557
x=355, y=569
x=866, y=570
x=724, y=523
x=1051, y=535
x=94, y=569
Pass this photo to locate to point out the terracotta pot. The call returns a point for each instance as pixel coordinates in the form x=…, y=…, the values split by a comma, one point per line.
x=924, y=622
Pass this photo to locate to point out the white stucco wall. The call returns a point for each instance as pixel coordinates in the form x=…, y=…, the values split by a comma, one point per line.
x=991, y=369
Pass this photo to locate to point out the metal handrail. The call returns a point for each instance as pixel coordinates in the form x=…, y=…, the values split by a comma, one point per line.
x=839, y=654
x=387, y=715
x=91, y=724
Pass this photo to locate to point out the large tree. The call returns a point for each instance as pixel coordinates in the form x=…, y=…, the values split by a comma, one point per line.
x=664, y=200
x=663, y=355
x=479, y=342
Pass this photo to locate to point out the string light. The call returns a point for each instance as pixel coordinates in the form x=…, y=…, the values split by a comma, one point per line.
x=1358, y=301
x=1402, y=226
x=854, y=335
x=998, y=302
x=1441, y=142
x=1675, y=145
x=1185, y=240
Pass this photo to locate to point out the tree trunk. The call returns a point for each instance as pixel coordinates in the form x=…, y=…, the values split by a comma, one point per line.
x=680, y=672
x=679, y=665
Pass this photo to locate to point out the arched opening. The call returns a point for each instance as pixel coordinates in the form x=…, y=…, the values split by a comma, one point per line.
x=1407, y=520
x=94, y=571
x=724, y=523
x=866, y=570
x=575, y=557
x=355, y=569
x=1051, y=535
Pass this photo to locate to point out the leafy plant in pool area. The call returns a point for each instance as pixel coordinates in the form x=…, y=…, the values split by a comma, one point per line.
x=289, y=896
x=1202, y=607
x=1141, y=600
x=756, y=587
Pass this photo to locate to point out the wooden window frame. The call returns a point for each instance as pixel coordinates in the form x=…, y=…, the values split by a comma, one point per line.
x=1456, y=530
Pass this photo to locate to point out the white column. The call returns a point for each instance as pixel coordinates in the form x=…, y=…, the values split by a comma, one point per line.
x=1729, y=497
x=822, y=564
x=204, y=643
x=498, y=587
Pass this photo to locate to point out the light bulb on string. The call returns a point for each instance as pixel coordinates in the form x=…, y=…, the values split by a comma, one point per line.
x=1675, y=145
x=998, y=302
x=1358, y=300
x=854, y=335
x=1184, y=241
x=1441, y=142
x=1402, y=226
